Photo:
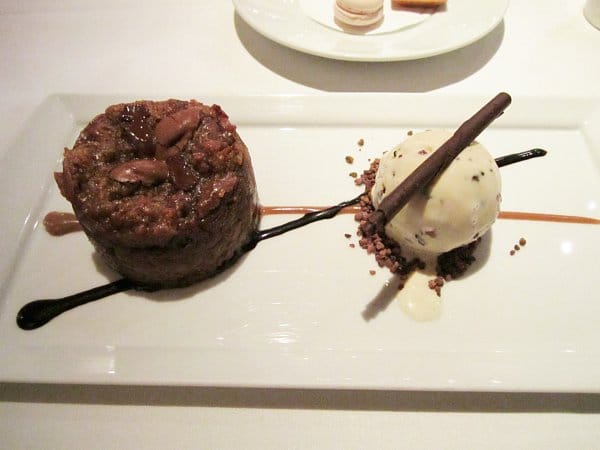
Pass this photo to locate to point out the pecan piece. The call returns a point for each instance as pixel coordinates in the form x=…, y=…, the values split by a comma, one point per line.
x=146, y=171
x=172, y=127
x=164, y=153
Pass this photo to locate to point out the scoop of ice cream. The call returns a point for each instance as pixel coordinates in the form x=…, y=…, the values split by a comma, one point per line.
x=457, y=208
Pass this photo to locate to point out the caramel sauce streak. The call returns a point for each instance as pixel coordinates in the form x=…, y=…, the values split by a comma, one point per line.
x=509, y=215
x=541, y=217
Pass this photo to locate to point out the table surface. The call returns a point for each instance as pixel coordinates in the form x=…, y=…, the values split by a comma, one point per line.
x=187, y=48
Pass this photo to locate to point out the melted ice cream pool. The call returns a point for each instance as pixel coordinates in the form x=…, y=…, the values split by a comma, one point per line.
x=418, y=301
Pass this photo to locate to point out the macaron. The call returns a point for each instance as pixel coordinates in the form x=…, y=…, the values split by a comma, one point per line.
x=358, y=13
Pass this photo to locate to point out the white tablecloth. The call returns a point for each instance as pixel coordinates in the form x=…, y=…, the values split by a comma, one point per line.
x=190, y=48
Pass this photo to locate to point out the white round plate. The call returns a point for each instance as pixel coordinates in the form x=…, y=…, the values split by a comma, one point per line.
x=403, y=35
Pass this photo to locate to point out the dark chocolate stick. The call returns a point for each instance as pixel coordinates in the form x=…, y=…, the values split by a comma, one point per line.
x=439, y=160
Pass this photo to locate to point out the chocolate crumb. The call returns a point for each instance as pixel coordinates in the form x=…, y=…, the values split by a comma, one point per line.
x=347, y=235
x=372, y=272
x=410, y=132
x=518, y=246
x=436, y=285
x=353, y=174
x=361, y=142
x=475, y=178
x=349, y=159
x=352, y=245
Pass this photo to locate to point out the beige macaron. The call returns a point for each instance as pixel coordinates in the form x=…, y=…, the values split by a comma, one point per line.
x=359, y=13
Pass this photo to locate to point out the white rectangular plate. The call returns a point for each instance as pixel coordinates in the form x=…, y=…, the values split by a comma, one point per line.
x=289, y=313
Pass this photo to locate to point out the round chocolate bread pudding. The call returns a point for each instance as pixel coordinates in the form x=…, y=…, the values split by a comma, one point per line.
x=164, y=190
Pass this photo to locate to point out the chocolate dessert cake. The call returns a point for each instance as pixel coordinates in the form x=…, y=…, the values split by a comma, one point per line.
x=164, y=190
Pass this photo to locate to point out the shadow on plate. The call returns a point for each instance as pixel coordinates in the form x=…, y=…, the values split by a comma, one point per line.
x=420, y=75
x=173, y=294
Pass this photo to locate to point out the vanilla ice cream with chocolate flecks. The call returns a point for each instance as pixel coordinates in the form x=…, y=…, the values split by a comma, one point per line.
x=459, y=206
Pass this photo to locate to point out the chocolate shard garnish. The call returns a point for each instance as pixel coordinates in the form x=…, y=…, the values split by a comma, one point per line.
x=435, y=164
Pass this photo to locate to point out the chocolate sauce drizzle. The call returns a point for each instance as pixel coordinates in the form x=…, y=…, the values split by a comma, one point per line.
x=39, y=312
x=306, y=219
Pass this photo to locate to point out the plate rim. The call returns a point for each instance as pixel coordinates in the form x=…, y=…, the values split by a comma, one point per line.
x=65, y=101
x=241, y=10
